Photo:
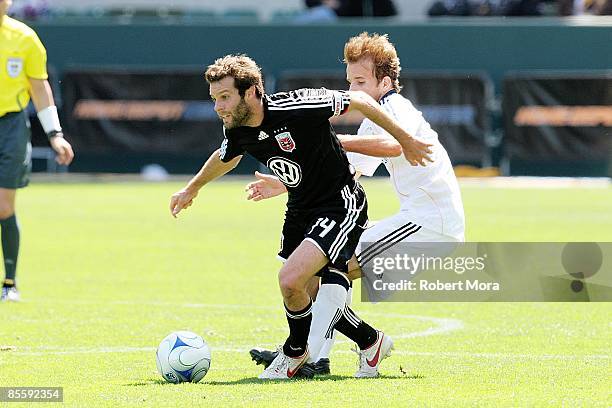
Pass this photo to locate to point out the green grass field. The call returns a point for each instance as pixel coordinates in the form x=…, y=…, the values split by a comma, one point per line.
x=106, y=273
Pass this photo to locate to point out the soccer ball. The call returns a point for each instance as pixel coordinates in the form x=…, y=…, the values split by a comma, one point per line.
x=183, y=357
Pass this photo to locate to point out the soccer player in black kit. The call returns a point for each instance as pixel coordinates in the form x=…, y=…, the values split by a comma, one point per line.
x=326, y=213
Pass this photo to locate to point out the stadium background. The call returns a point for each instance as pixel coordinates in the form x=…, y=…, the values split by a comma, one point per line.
x=470, y=76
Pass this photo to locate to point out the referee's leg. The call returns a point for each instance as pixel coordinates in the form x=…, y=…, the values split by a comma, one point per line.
x=7, y=202
x=15, y=163
x=10, y=241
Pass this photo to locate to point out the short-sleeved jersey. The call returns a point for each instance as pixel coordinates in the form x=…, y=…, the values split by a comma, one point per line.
x=298, y=144
x=430, y=194
x=22, y=56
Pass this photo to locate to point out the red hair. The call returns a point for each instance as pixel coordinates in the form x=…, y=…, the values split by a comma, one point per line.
x=380, y=51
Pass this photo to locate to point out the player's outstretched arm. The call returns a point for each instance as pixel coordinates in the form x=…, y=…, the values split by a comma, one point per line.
x=266, y=186
x=212, y=169
x=371, y=145
x=416, y=152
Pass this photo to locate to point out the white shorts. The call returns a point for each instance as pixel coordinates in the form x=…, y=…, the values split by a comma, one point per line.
x=384, y=234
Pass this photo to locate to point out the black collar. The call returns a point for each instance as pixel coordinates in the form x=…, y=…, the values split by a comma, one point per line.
x=391, y=92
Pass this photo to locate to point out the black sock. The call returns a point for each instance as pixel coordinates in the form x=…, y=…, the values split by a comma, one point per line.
x=356, y=329
x=10, y=246
x=299, y=327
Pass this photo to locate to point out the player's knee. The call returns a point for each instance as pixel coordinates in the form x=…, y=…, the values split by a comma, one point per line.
x=289, y=285
x=6, y=211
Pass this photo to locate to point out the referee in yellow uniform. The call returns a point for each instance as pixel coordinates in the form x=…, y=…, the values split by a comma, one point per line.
x=23, y=74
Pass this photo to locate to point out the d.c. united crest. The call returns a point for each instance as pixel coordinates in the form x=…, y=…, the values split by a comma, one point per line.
x=285, y=141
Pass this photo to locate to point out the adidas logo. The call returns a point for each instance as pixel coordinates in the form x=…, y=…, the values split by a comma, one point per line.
x=262, y=135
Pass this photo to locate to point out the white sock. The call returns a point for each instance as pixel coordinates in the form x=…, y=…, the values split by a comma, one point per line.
x=326, y=311
x=329, y=343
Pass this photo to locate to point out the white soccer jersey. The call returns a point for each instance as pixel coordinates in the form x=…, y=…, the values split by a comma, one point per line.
x=429, y=195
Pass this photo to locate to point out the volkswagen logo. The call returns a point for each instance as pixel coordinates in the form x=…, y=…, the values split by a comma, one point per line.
x=287, y=171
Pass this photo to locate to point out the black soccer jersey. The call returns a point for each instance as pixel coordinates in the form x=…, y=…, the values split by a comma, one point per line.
x=298, y=144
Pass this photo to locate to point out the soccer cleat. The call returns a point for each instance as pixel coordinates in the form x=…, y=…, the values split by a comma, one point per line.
x=284, y=367
x=370, y=358
x=263, y=356
x=10, y=294
x=308, y=370
x=321, y=367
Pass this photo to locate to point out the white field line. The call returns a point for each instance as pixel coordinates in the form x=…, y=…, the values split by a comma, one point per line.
x=441, y=326
x=243, y=350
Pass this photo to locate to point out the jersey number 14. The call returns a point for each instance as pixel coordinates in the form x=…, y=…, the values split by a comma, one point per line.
x=326, y=224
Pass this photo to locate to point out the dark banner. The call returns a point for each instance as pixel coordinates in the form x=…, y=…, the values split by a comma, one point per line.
x=455, y=104
x=108, y=111
x=487, y=271
x=558, y=117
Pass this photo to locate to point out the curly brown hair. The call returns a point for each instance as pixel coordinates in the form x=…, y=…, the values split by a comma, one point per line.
x=242, y=68
x=380, y=50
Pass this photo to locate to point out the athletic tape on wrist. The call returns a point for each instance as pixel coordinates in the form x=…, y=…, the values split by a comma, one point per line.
x=50, y=120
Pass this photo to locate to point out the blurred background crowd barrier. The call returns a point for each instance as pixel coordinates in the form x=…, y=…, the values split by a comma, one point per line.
x=522, y=95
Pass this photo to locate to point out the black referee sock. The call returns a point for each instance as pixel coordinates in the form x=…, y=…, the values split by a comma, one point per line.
x=299, y=327
x=10, y=245
x=356, y=329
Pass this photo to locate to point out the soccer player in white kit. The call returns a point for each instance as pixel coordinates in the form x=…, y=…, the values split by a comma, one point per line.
x=431, y=209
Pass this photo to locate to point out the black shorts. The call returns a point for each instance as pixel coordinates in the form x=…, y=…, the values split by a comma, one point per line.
x=15, y=150
x=334, y=229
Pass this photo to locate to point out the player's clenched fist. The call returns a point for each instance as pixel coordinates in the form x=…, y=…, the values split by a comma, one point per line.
x=181, y=199
x=64, y=151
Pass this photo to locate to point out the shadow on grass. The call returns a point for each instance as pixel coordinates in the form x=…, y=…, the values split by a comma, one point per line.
x=149, y=381
x=255, y=380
